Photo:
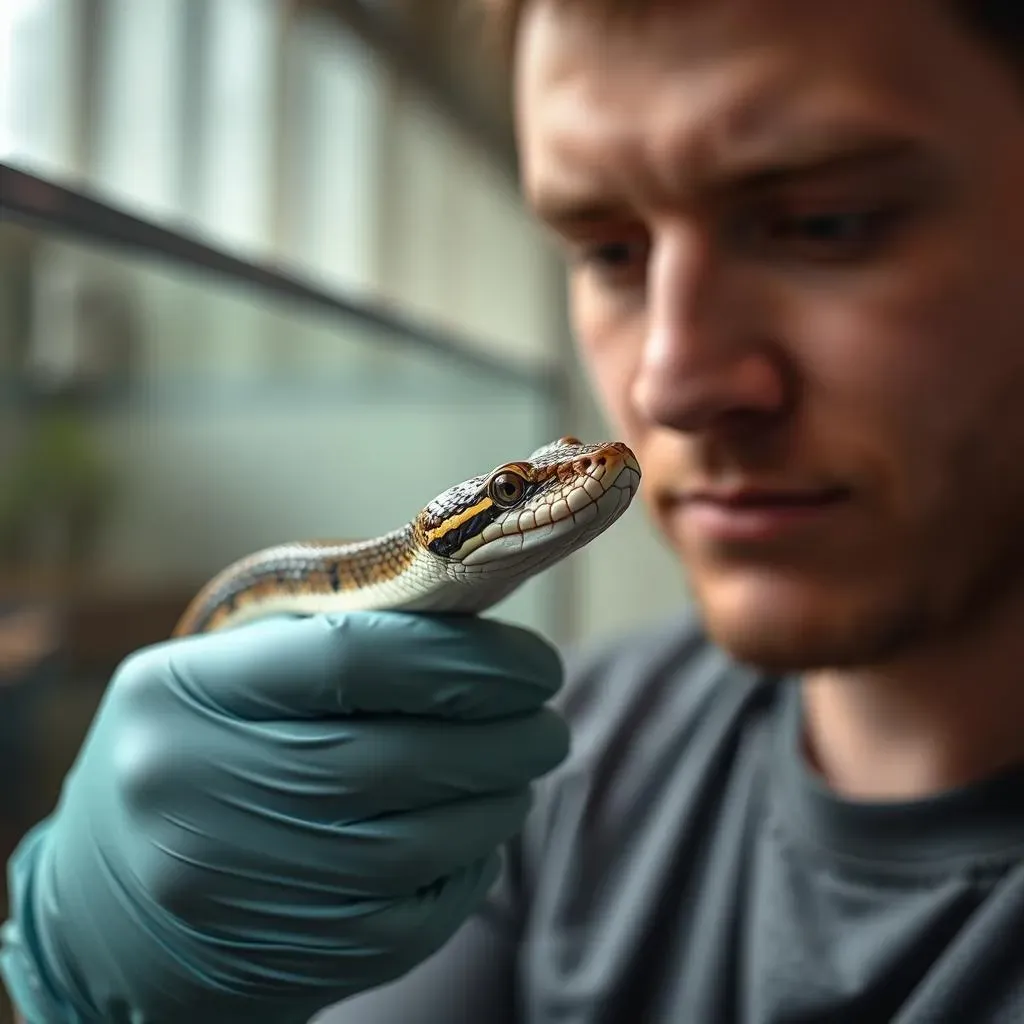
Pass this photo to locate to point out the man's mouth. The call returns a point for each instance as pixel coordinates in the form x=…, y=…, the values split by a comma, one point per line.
x=754, y=513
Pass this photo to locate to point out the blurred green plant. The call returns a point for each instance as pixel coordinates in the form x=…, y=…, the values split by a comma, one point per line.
x=53, y=492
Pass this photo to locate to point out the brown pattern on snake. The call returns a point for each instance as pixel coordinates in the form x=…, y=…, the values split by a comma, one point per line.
x=298, y=569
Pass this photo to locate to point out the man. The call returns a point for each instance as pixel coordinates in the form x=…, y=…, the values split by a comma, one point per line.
x=797, y=272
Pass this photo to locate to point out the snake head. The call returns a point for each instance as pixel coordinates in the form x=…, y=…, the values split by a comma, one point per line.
x=525, y=515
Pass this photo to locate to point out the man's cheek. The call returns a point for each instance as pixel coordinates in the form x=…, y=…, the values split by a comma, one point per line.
x=610, y=351
x=612, y=371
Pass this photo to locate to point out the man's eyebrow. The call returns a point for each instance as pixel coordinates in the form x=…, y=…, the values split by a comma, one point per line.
x=819, y=156
x=566, y=211
x=787, y=159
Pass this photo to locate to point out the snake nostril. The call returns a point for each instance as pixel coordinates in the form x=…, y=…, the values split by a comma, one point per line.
x=601, y=461
x=585, y=463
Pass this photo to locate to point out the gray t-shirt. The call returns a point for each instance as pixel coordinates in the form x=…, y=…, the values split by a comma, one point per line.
x=684, y=867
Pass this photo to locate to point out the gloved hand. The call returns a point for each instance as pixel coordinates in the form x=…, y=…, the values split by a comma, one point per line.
x=267, y=820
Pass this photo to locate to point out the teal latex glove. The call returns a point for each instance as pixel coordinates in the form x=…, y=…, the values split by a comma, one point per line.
x=267, y=820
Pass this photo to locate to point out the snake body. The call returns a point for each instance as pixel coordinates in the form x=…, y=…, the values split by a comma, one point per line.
x=466, y=550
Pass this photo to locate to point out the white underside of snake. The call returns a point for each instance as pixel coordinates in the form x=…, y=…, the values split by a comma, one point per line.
x=466, y=550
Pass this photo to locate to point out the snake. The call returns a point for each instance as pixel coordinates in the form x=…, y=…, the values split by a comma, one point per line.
x=463, y=552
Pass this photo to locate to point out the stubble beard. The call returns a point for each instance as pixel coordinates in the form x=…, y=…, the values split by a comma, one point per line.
x=937, y=607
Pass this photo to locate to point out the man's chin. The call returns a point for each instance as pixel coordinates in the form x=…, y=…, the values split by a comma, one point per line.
x=790, y=629
x=779, y=651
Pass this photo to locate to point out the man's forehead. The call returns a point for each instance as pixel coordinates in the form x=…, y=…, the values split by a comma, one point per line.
x=743, y=96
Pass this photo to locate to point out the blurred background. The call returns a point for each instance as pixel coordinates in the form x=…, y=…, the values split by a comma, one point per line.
x=264, y=275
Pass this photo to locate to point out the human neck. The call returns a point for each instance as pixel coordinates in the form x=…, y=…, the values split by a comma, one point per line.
x=938, y=719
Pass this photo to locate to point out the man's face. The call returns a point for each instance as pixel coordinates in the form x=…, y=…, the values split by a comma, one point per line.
x=796, y=234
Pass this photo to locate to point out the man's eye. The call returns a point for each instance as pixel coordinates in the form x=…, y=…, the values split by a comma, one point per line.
x=612, y=258
x=833, y=228
x=836, y=236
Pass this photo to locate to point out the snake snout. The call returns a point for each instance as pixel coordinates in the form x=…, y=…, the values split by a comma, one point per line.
x=608, y=463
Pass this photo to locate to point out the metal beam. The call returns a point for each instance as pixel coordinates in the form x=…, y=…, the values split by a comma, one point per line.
x=39, y=203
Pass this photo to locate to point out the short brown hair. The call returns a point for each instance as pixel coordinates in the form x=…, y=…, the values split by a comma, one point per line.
x=999, y=24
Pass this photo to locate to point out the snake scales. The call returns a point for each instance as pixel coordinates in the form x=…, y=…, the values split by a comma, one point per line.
x=467, y=549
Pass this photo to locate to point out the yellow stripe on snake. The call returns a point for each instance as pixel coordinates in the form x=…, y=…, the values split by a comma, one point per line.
x=468, y=549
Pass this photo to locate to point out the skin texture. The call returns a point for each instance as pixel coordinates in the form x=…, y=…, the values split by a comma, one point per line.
x=796, y=242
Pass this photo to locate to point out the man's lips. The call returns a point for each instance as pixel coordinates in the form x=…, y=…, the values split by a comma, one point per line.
x=754, y=513
x=757, y=497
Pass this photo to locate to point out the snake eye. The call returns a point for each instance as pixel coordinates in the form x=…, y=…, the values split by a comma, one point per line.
x=506, y=488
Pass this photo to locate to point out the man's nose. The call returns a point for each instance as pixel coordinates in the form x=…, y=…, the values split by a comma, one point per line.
x=708, y=357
